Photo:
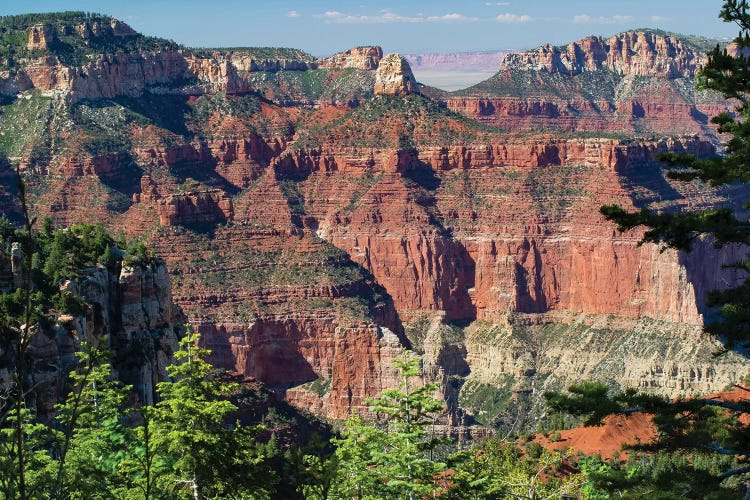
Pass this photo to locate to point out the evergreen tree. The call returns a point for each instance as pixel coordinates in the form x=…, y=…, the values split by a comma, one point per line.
x=394, y=461
x=189, y=442
x=500, y=469
x=707, y=427
x=93, y=435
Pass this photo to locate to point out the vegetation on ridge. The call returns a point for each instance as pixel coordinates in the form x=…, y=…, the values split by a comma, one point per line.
x=73, y=41
x=387, y=122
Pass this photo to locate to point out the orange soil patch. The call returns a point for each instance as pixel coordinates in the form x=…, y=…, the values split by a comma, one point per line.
x=607, y=439
x=327, y=114
x=272, y=111
x=735, y=396
x=620, y=430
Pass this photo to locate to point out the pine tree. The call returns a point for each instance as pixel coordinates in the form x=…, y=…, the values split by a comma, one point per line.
x=93, y=436
x=190, y=446
x=705, y=427
x=394, y=461
x=505, y=470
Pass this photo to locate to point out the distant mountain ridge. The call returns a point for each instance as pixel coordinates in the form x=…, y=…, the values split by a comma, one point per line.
x=458, y=61
x=637, y=82
x=633, y=53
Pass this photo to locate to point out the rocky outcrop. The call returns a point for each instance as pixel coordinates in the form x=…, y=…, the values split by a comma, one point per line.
x=99, y=165
x=365, y=58
x=104, y=28
x=633, y=53
x=394, y=77
x=128, y=311
x=243, y=61
x=220, y=75
x=108, y=76
x=211, y=206
x=41, y=36
x=614, y=155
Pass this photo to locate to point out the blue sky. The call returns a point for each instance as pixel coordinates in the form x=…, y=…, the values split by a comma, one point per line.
x=322, y=27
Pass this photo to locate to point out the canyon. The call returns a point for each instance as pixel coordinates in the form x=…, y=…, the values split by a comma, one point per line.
x=317, y=217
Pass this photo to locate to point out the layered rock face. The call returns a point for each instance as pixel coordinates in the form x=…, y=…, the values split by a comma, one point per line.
x=311, y=243
x=633, y=83
x=481, y=236
x=40, y=37
x=394, y=77
x=160, y=67
x=633, y=53
x=130, y=312
x=365, y=58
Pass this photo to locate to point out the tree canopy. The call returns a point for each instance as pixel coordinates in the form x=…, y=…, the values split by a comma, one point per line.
x=700, y=428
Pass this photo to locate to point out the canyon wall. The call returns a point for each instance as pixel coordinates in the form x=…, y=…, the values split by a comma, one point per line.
x=313, y=233
x=634, y=83
x=128, y=311
x=633, y=53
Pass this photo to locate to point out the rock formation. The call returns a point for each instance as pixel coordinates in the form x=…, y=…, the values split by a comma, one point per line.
x=41, y=37
x=633, y=53
x=129, y=311
x=637, y=82
x=394, y=77
x=365, y=58
x=210, y=206
x=313, y=233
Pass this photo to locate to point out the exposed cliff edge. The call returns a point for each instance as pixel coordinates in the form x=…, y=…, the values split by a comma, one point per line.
x=128, y=310
x=83, y=56
x=634, y=83
x=394, y=77
x=632, y=53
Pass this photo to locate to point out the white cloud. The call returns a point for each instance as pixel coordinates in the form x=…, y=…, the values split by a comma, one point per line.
x=386, y=16
x=513, y=18
x=292, y=13
x=660, y=19
x=450, y=18
x=499, y=4
x=587, y=19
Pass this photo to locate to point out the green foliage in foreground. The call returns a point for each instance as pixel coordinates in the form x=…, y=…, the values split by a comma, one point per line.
x=99, y=447
x=189, y=445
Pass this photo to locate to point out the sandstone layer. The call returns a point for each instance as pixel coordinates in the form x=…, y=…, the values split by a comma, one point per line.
x=315, y=231
x=637, y=82
x=130, y=312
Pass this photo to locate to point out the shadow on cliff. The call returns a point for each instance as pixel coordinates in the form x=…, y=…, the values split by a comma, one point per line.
x=422, y=182
x=458, y=277
x=423, y=175
x=708, y=269
x=648, y=184
x=271, y=356
x=204, y=171
x=120, y=181
x=169, y=112
x=9, y=204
